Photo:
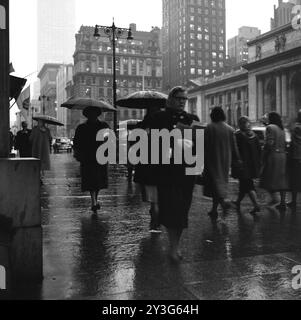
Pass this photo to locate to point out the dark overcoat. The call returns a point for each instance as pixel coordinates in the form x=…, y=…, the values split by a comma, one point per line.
x=94, y=176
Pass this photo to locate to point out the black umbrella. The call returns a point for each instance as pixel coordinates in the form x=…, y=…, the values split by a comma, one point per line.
x=48, y=119
x=143, y=100
x=83, y=103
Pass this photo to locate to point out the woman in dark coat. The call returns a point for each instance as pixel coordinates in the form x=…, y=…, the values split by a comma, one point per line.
x=275, y=175
x=250, y=154
x=175, y=188
x=94, y=176
x=295, y=162
x=219, y=151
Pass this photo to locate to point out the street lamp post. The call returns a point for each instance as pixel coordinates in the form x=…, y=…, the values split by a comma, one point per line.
x=114, y=33
x=43, y=98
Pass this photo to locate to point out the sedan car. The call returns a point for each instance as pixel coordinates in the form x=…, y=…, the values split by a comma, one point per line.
x=62, y=144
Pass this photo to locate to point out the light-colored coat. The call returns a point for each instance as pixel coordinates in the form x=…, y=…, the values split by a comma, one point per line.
x=219, y=147
x=41, y=141
x=275, y=174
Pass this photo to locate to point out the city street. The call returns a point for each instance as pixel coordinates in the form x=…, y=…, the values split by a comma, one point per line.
x=114, y=256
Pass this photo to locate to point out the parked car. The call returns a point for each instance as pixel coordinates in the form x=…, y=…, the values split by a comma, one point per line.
x=62, y=144
x=260, y=131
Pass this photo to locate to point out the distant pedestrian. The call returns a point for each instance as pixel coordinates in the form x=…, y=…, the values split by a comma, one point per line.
x=93, y=175
x=22, y=143
x=145, y=176
x=219, y=151
x=295, y=162
x=11, y=141
x=40, y=139
x=274, y=176
x=250, y=154
x=175, y=188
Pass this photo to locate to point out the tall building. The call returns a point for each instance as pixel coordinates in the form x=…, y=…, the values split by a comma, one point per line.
x=56, y=30
x=283, y=13
x=138, y=66
x=64, y=76
x=238, y=47
x=194, y=39
x=47, y=77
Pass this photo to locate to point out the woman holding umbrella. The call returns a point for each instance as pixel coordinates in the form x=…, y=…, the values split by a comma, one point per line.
x=145, y=174
x=94, y=176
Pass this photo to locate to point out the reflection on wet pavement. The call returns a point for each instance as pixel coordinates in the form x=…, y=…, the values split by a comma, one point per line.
x=113, y=256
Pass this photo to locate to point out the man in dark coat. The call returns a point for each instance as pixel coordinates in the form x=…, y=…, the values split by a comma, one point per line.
x=22, y=141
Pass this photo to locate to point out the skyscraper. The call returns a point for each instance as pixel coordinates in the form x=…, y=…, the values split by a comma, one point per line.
x=194, y=39
x=56, y=31
x=238, y=45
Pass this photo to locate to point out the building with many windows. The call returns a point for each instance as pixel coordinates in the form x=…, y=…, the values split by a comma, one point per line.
x=47, y=77
x=138, y=66
x=269, y=81
x=238, y=45
x=64, y=76
x=194, y=39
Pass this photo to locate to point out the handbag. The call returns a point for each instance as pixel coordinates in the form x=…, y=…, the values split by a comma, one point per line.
x=237, y=169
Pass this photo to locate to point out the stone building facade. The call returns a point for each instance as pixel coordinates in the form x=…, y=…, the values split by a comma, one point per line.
x=138, y=66
x=270, y=81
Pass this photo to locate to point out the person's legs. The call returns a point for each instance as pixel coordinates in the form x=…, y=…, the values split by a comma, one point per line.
x=174, y=236
x=293, y=203
x=253, y=197
x=96, y=199
x=93, y=201
x=214, y=212
x=274, y=199
x=154, y=213
x=241, y=196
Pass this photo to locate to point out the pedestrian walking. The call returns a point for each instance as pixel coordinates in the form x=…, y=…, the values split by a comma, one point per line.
x=40, y=139
x=22, y=143
x=145, y=176
x=274, y=177
x=175, y=188
x=250, y=154
x=94, y=177
x=219, y=151
x=295, y=162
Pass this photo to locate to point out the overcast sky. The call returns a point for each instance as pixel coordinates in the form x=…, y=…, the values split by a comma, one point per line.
x=145, y=13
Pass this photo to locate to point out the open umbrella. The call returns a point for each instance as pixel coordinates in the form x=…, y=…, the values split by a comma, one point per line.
x=143, y=100
x=83, y=103
x=48, y=119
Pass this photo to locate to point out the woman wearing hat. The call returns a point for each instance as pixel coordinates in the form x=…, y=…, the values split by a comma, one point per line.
x=94, y=176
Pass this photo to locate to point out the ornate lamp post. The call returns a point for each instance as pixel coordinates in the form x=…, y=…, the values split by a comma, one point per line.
x=43, y=98
x=114, y=33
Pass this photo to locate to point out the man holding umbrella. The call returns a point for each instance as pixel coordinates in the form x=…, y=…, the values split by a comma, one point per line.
x=40, y=139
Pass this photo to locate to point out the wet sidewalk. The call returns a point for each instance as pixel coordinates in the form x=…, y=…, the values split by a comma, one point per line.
x=114, y=257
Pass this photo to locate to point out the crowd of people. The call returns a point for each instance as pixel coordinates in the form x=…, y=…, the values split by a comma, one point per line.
x=167, y=187
x=226, y=152
x=35, y=143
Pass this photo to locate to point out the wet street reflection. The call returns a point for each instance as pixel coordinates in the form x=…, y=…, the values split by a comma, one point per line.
x=113, y=256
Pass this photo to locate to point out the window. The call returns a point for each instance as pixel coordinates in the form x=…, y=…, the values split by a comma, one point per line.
x=101, y=92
